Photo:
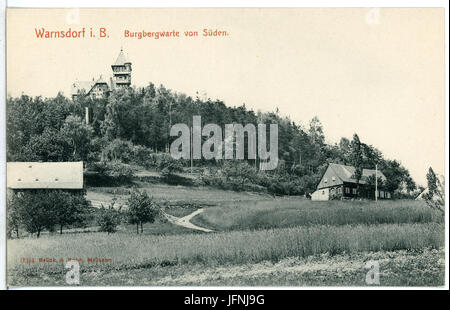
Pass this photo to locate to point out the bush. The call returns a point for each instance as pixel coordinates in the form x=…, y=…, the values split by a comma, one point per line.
x=143, y=156
x=118, y=150
x=168, y=166
x=240, y=176
x=233, y=175
x=108, y=173
x=126, y=152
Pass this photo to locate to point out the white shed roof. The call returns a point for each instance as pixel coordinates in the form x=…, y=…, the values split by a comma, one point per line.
x=44, y=175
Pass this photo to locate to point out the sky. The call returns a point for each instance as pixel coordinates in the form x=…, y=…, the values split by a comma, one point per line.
x=375, y=72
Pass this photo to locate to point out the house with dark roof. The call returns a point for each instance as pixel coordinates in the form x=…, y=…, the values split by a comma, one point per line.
x=100, y=88
x=339, y=182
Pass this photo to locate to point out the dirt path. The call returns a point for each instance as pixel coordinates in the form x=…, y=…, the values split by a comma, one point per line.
x=181, y=221
x=185, y=221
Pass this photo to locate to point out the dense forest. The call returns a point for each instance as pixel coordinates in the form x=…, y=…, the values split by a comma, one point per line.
x=131, y=127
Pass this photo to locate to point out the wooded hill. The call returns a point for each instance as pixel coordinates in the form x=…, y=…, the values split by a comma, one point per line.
x=132, y=126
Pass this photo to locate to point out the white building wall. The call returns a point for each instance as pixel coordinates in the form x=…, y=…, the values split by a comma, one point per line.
x=321, y=194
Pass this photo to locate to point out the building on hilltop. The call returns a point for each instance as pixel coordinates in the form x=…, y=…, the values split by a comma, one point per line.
x=338, y=182
x=100, y=88
x=121, y=71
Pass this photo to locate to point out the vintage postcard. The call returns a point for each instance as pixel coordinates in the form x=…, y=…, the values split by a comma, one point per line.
x=237, y=147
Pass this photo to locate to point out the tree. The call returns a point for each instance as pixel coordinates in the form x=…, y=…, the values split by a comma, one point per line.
x=316, y=131
x=48, y=146
x=70, y=208
x=345, y=150
x=397, y=176
x=141, y=209
x=78, y=135
x=35, y=210
x=371, y=156
x=13, y=216
x=29, y=118
x=109, y=218
x=356, y=160
x=435, y=197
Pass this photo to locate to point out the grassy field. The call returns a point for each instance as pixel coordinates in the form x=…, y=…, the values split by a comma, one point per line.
x=258, y=240
x=292, y=212
x=176, y=195
x=423, y=267
x=238, y=247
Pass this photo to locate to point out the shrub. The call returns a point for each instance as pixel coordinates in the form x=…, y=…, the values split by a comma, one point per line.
x=108, y=173
x=240, y=176
x=126, y=152
x=168, y=166
x=118, y=150
x=142, y=156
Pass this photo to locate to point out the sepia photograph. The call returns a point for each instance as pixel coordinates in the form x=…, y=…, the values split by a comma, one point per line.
x=226, y=147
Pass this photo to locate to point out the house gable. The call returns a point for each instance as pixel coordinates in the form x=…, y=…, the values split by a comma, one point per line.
x=330, y=178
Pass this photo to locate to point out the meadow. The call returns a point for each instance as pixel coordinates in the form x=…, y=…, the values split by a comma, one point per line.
x=257, y=240
x=237, y=247
x=292, y=212
x=175, y=195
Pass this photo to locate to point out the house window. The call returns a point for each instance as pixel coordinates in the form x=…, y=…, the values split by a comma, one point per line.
x=325, y=181
x=323, y=192
x=388, y=195
x=347, y=190
x=339, y=190
x=354, y=191
x=382, y=194
x=333, y=179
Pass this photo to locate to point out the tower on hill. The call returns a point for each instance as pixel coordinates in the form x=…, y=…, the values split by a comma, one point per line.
x=121, y=71
x=100, y=88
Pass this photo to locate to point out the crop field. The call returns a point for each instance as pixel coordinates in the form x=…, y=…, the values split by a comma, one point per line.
x=257, y=240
